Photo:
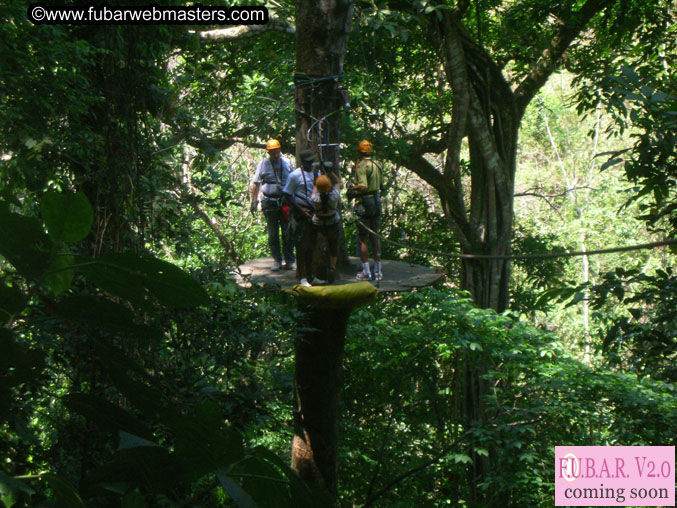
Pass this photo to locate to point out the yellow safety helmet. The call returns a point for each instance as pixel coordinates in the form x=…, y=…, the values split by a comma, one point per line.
x=272, y=144
x=323, y=183
x=364, y=147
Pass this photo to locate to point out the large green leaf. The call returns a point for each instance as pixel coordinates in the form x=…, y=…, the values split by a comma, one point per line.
x=60, y=273
x=24, y=244
x=134, y=277
x=133, y=499
x=128, y=441
x=203, y=443
x=263, y=482
x=235, y=491
x=133, y=384
x=303, y=495
x=68, y=216
x=9, y=485
x=64, y=493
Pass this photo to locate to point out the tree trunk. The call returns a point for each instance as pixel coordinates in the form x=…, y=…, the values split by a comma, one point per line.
x=317, y=384
x=321, y=38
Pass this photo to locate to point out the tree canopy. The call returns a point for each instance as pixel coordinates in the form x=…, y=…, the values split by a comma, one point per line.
x=136, y=372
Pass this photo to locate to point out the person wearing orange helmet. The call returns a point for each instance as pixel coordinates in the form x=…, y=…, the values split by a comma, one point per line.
x=366, y=188
x=270, y=178
x=326, y=219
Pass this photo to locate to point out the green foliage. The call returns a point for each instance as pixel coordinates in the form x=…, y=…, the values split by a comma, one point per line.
x=164, y=450
x=409, y=424
x=651, y=164
x=68, y=217
x=644, y=339
x=535, y=279
x=126, y=381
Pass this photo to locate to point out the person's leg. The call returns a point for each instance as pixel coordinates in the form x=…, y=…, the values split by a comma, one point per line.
x=376, y=246
x=364, y=250
x=332, y=236
x=362, y=235
x=312, y=239
x=296, y=235
x=273, y=229
x=287, y=242
x=306, y=248
x=365, y=273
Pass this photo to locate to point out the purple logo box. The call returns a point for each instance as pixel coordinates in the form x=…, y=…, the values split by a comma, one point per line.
x=614, y=476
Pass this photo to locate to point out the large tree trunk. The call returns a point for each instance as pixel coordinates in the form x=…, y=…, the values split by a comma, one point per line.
x=486, y=113
x=317, y=384
x=321, y=36
x=491, y=215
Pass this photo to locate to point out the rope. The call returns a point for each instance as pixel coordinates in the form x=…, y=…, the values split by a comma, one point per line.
x=549, y=255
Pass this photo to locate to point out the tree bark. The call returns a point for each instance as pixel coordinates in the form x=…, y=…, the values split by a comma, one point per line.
x=321, y=38
x=317, y=385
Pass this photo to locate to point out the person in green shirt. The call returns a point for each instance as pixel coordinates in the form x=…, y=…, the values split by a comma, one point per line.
x=366, y=180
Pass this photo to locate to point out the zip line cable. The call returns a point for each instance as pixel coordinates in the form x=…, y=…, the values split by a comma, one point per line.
x=549, y=255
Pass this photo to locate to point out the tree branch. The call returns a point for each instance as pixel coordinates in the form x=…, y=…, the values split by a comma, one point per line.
x=370, y=500
x=564, y=35
x=243, y=31
x=195, y=138
x=185, y=196
x=532, y=192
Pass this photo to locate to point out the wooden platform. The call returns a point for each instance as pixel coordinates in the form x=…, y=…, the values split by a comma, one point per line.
x=397, y=275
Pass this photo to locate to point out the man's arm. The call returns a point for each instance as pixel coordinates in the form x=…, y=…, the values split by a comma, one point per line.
x=255, y=197
x=256, y=187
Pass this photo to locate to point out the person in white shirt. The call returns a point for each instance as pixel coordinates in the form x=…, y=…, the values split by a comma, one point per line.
x=270, y=178
x=297, y=193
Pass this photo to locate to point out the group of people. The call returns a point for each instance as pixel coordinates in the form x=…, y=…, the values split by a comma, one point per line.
x=300, y=204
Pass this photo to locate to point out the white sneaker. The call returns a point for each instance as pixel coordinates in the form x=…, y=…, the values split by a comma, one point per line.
x=290, y=266
x=317, y=282
x=304, y=282
x=378, y=276
x=276, y=266
x=363, y=276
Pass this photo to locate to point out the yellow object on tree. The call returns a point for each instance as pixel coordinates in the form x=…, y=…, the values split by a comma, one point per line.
x=343, y=296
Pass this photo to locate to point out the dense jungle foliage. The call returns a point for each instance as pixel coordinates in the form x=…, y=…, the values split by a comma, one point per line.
x=135, y=372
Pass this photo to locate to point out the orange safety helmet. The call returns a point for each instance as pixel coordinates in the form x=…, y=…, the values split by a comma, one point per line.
x=323, y=183
x=272, y=144
x=364, y=147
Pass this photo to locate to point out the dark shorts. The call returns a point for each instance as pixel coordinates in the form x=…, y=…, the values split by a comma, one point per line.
x=372, y=223
x=368, y=212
